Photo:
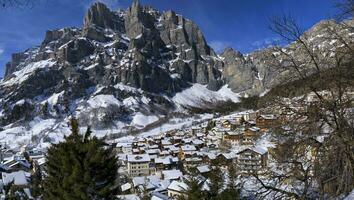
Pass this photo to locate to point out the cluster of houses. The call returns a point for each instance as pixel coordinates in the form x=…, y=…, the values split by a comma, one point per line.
x=157, y=164
x=17, y=166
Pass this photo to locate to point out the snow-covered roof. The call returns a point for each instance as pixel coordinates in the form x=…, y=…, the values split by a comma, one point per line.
x=158, y=196
x=165, y=142
x=259, y=150
x=269, y=117
x=126, y=187
x=125, y=145
x=230, y=155
x=188, y=148
x=211, y=156
x=129, y=197
x=139, y=180
x=139, y=158
x=197, y=142
x=41, y=161
x=18, y=177
x=178, y=186
x=155, y=146
x=171, y=148
x=172, y=174
x=254, y=129
x=166, y=160
x=153, y=151
x=203, y=168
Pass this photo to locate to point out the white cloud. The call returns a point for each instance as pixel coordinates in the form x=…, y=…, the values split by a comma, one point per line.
x=271, y=41
x=218, y=46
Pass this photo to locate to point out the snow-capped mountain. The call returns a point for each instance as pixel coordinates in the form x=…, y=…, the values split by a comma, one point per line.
x=125, y=70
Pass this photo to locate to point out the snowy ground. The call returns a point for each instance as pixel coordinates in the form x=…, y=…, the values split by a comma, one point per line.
x=199, y=96
x=46, y=131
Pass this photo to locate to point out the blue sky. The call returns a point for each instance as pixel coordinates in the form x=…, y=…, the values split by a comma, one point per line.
x=241, y=24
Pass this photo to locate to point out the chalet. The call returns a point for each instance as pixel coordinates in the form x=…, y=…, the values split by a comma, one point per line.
x=192, y=161
x=228, y=124
x=233, y=137
x=209, y=157
x=125, y=188
x=173, y=150
x=17, y=163
x=20, y=179
x=186, y=151
x=153, y=152
x=165, y=142
x=250, y=123
x=173, y=174
x=252, y=159
x=266, y=121
x=226, y=159
x=158, y=196
x=203, y=169
x=219, y=132
x=124, y=148
x=250, y=135
x=196, y=130
x=198, y=143
x=177, y=189
x=168, y=162
x=176, y=139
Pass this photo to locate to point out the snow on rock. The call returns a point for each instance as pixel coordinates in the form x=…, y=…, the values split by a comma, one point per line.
x=198, y=95
x=23, y=74
x=264, y=92
x=53, y=100
x=103, y=101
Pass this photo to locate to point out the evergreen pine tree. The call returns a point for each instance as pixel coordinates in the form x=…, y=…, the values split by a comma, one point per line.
x=80, y=168
x=231, y=192
x=216, y=182
x=194, y=191
x=14, y=192
x=36, y=182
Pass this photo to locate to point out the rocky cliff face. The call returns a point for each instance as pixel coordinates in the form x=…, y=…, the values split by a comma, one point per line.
x=120, y=70
x=262, y=69
x=128, y=63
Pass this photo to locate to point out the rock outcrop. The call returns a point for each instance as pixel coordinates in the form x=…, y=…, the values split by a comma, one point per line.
x=120, y=63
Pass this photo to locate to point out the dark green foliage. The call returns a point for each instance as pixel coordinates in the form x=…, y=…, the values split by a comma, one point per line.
x=14, y=192
x=211, y=124
x=216, y=182
x=36, y=182
x=195, y=192
x=242, y=120
x=232, y=191
x=80, y=168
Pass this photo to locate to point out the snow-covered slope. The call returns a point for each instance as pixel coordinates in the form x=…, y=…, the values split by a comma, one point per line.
x=199, y=96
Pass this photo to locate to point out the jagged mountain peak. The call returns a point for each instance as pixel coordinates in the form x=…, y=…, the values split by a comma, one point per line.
x=124, y=64
x=119, y=65
x=230, y=52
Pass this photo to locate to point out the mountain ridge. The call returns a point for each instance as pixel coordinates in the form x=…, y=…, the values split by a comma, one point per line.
x=122, y=65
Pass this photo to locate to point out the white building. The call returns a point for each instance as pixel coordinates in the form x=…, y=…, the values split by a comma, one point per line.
x=138, y=165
